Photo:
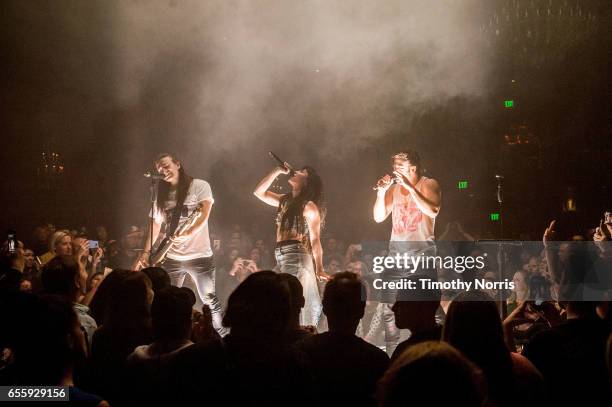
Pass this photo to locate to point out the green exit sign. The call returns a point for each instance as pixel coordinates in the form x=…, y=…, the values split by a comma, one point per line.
x=508, y=104
x=462, y=185
x=495, y=217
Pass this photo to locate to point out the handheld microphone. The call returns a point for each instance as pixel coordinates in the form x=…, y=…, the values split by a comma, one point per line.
x=282, y=163
x=393, y=181
x=152, y=175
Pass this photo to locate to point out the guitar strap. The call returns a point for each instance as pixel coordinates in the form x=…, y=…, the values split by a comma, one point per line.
x=176, y=215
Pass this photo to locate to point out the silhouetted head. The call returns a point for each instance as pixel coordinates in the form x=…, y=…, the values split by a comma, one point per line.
x=473, y=326
x=416, y=308
x=344, y=299
x=158, y=276
x=62, y=276
x=45, y=337
x=415, y=377
x=296, y=292
x=171, y=314
x=100, y=303
x=259, y=307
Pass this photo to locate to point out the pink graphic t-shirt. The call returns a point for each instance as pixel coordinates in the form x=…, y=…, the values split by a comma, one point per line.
x=410, y=224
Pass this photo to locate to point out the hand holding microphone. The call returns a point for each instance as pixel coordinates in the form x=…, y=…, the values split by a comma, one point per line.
x=284, y=166
x=284, y=169
x=384, y=183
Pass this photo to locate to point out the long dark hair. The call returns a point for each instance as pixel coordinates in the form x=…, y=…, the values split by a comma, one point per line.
x=128, y=317
x=473, y=326
x=100, y=303
x=311, y=191
x=163, y=188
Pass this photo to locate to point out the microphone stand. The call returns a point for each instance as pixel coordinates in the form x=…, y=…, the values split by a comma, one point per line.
x=153, y=198
x=500, y=202
x=501, y=255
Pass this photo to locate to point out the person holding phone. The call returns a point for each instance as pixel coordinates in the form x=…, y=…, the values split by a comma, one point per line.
x=88, y=254
x=603, y=234
x=299, y=216
x=12, y=262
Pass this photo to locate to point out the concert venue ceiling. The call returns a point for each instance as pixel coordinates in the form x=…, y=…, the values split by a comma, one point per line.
x=92, y=91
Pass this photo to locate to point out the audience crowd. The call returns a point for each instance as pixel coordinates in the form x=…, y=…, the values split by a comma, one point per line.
x=73, y=313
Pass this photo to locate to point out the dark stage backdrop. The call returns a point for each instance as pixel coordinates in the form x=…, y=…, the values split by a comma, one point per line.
x=108, y=85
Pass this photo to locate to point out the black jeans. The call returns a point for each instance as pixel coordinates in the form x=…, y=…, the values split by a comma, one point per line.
x=202, y=271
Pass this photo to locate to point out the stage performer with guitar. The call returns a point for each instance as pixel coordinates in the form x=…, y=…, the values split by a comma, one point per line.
x=180, y=222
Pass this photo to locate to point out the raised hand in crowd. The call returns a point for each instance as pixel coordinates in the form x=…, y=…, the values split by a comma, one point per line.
x=202, y=330
x=241, y=268
x=251, y=266
x=602, y=235
x=517, y=317
x=11, y=266
x=237, y=266
x=549, y=233
x=96, y=258
x=15, y=259
x=142, y=261
x=527, y=313
x=81, y=254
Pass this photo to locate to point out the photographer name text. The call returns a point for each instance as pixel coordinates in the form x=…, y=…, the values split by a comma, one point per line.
x=429, y=284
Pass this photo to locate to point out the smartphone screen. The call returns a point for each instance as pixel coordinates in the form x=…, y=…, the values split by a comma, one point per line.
x=12, y=241
x=93, y=244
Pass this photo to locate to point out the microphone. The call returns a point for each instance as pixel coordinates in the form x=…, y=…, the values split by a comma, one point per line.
x=151, y=175
x=282, y=163
x=393, y=181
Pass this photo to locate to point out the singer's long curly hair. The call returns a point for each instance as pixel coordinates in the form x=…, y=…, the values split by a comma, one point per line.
x=164, y=187
x=293, y=217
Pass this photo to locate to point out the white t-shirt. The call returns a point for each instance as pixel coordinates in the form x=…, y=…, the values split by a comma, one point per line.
x=199, y=245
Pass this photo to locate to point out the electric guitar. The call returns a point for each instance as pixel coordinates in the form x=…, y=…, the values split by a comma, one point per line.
x=166, y=244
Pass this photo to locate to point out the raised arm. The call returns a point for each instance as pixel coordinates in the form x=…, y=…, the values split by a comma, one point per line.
x=384, y=199
x=552, y=253
x=261, y=190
